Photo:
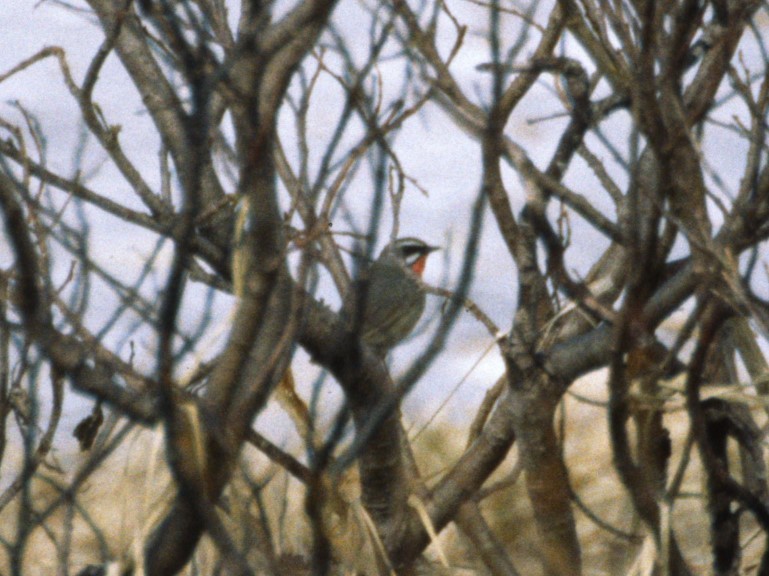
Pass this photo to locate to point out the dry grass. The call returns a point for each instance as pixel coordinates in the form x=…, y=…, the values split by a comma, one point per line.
x=118, y=505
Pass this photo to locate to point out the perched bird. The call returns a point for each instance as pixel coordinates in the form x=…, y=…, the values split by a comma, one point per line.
x=382, y=306
x=385, y=304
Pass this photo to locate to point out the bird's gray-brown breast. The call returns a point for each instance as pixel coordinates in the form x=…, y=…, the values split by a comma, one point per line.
x=393, y=302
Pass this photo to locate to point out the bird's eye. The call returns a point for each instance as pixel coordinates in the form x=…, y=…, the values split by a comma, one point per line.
x=411, y=254
x=410, y=251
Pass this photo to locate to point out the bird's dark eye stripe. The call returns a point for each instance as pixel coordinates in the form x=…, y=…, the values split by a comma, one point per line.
x=413, y=249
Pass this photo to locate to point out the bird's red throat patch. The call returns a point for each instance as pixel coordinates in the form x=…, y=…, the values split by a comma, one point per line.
x=419, y=266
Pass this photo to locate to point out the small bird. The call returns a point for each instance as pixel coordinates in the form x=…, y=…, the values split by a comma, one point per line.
x=385, y=304
x=382, y=306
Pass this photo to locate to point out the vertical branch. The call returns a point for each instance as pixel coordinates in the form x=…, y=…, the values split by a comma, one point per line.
x=257, y=352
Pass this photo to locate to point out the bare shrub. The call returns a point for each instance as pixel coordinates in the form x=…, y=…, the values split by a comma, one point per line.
x=194, y=212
